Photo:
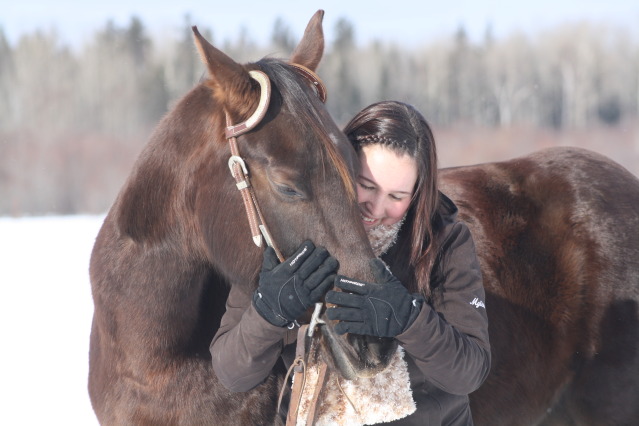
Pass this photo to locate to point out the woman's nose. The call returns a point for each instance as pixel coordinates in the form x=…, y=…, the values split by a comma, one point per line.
x=376, y=206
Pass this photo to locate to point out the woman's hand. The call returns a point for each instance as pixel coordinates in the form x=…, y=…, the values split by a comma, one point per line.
x=286, y=290
x=384, y=310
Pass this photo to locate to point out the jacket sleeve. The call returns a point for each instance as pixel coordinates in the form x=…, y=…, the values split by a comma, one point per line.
x=449, y=339
x=246, y=346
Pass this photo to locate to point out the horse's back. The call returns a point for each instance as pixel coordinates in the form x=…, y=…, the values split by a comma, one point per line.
x=553, y=197
x=556, y=234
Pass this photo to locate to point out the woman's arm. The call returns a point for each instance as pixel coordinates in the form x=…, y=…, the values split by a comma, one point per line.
x=253, y=329
x=246, y=346
x=449, y=341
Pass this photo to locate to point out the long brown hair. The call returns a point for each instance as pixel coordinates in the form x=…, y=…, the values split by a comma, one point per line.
x=400, y=127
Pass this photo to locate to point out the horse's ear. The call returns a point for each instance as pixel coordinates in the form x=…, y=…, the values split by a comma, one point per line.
x=311, y=48
x=229, y=80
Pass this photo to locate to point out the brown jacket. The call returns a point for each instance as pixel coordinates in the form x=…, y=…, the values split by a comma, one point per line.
x=447, y=347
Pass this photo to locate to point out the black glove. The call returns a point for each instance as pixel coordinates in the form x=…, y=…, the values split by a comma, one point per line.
x=286, y=290
x=383, y=310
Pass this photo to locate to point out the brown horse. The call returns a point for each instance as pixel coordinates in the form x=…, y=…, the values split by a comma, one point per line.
x=557, y=234
x=177, y=237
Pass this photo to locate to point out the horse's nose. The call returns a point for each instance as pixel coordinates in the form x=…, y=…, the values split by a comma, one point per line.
x=374, y=347
x=379, y=349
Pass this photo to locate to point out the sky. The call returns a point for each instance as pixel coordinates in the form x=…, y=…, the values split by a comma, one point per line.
x=401, y=21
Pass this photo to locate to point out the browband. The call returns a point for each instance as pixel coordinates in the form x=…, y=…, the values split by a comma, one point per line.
x=313, y=78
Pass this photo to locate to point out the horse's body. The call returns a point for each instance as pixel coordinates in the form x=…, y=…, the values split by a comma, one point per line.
x=557, y=234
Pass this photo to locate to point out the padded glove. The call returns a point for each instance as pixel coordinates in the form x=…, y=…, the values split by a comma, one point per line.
x=286, y=290
x=384, y=310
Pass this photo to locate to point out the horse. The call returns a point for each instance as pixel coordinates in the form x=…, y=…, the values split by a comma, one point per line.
x=557, y=236
x=177, y=238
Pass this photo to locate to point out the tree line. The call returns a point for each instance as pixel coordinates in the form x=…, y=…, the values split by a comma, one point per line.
x=73, y=120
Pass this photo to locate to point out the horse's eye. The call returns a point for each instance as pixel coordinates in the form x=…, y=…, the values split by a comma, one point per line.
x=288, y=191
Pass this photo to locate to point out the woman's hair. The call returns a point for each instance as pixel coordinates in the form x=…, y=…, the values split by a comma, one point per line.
x=403, y=129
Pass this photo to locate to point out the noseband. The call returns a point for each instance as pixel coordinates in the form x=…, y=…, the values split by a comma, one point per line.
x=238, y=168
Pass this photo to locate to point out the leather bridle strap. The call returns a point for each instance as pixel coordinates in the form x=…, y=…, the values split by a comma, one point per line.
x=313, y=411
x=299, y=377
x=299, y=368
x=258, y=227
x=314, y=79
x=238, y=168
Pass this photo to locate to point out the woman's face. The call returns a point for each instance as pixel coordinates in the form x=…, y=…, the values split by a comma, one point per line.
x=384, y=185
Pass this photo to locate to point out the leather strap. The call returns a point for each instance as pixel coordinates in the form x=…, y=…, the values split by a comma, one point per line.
x=314, y=79
x=304, y=335
x=257, y=224
x=299, y=377
x=259, y=230
x=239, y=170
x=321, y=381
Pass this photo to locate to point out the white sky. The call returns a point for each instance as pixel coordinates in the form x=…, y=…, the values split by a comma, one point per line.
x=405, y=21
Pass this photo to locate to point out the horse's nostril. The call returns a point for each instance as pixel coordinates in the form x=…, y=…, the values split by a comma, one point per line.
x=380, y=349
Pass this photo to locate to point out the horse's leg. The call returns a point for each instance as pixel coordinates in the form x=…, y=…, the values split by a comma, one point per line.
x=606, y=388
x=188, y=394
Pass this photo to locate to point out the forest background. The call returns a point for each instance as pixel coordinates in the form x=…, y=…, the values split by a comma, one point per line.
x=73, y=119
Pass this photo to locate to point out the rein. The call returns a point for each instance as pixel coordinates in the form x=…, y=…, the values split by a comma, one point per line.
x=299, y=368
x=238, y=168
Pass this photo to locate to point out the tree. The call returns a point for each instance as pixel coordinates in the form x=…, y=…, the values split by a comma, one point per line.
x=341, y=69
x=7, y=82
x=282, y=39
x=509, y=80
x=181, y=63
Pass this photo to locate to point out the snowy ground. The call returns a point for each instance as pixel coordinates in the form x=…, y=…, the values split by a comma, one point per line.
x=45, y=319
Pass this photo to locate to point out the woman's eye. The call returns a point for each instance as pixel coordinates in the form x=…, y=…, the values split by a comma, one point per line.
x=366, y=187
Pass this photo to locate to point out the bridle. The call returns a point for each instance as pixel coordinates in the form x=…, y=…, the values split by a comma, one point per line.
x=237, y=165
x=260, y=231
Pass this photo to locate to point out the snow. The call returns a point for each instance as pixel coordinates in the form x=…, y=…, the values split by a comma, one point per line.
x=45, y=319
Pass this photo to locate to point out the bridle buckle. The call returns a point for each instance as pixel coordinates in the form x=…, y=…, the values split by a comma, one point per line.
x=236, y=159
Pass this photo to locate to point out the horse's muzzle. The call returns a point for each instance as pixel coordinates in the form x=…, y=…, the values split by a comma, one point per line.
x=355, y=355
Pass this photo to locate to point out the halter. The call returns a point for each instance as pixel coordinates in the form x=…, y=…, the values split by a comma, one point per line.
x=238, y=168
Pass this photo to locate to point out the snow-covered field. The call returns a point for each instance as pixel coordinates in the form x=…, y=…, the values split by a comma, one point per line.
x=45, y=319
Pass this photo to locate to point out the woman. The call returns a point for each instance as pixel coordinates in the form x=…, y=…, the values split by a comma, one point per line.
x=433, y=305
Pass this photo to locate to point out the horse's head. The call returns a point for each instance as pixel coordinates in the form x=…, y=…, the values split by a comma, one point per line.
x=300, y=167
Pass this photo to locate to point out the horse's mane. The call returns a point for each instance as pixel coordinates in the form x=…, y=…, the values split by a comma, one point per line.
x=298, y=102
